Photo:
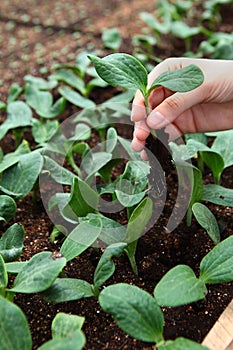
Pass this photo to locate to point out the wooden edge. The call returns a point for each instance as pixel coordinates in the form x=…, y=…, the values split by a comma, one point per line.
x=220, y=337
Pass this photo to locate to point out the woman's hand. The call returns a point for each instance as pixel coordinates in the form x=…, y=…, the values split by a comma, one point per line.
x=206, y=108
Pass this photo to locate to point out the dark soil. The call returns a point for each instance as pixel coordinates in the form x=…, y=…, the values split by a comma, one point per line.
x=33, y=36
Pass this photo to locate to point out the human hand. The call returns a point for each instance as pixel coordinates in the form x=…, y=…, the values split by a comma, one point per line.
x=206, y=108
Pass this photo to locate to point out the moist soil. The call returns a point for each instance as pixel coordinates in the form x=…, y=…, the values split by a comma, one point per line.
x=34, y=36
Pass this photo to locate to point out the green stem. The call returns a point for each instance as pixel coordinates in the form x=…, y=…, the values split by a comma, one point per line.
x=71, y=160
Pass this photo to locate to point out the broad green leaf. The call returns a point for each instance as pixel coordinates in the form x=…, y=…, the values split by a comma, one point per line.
x=43, y=131
x=216, y=266
x=180, y=80
x=112, y=231
x=75, y=98
x=66, y=289
x=83, y=200
x=111, y=140
x=182, y=30
x=39, y=273
x=3, y=274
x=130, y=187
x=74, y=342
x=128, y=199
x=13, y=157
x=111, y=38
x=207, y=220
x=64, y=325
x=215, y=162
x=7, y=208
x=69, y=78
x=179, y=286
x=218, y=195
x=21, y=177
x=181, y=344
x=135, y=311
x=19, y=115
x=222, y=144
x=106, y=266
x=15, y=267
x=14, y=330
x=60, y=174
x=159, y=27
x=82, y=237
x=198, y=136
x=121, y=70
x=14, y=92
x=138, y=220
x=12, y=242
x=82, y=132
x=93, y=162
x=40, y=83
x=42, y=102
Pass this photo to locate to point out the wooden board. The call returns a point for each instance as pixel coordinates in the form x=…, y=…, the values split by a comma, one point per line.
x=220, y=337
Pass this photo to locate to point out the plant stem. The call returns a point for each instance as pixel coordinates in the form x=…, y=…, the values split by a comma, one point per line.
x=71, y=160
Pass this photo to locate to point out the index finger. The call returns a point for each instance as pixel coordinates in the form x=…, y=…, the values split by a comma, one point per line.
x=138, y=111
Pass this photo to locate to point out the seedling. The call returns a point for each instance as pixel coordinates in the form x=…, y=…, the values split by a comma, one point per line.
x=137, y=313
x=126, y=71
x=215, y=267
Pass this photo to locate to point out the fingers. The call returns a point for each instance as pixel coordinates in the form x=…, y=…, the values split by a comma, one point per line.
x=138, y=108
x=172, y=107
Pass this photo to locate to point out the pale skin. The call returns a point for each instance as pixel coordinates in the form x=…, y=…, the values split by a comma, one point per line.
x=206, y=108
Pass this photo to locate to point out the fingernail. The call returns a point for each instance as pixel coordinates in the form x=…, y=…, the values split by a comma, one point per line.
x=156, y=120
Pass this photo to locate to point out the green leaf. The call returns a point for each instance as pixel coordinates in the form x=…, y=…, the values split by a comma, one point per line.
x=181, y=344
x=13, y=157
x=39, y=273
x=75, y=342
x=3, y=274
x=66, y=289
x=19, y=115
x=64, y=325
x=12, y=242
x=218, y=195
x=15, y=267
x=112, y=231
x=179, y=286
x=106, y=266
x=7, y=208
x=21, y=177
x=216, y=266
x=42, y=102
x=14, y=92
x=60, y=174
x=14, y=329
x=93, y=162
x=180, y=80
x=182, y=30
x=111, y=38
x=83, y=200
x=81, y=238
x=40, y=83
x=222, y=144
x=69, y=78
x=207, y=220
x=138, y=220
x=75, y=98
x=44, y=131
x=215, y=162
x=111, y=140
x=134, y=310
x=121, y=70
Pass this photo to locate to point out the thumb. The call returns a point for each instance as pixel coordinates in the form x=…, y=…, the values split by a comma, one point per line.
x=172, y=107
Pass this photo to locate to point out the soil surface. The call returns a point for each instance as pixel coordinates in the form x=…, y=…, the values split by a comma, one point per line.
x=33, y=36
